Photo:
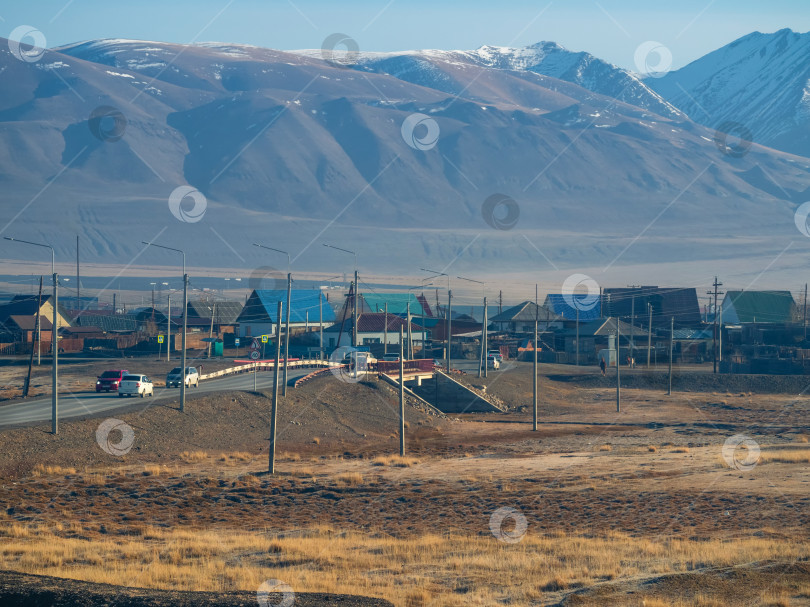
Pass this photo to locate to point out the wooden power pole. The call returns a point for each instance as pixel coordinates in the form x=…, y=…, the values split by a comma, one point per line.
x=715, y=293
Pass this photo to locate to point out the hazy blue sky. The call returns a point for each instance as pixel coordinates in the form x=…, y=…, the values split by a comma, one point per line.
x=610, y=29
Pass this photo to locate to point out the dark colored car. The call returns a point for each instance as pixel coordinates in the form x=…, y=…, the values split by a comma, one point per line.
x=109, y=380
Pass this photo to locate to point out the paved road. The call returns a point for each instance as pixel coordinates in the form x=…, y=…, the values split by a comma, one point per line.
x=90, y=403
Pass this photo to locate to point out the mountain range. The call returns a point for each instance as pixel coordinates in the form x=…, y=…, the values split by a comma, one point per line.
x=396, y=156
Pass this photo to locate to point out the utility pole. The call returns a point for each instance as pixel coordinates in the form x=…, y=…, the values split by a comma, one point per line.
x=671, y=340
x=274, y=415
x=805, y=311
x=633, y=323
x=185, y=320
x=287, y=334
x=354, y=307
x=55, y=348
x=410, y=336
x=720, y=337
x=618, y=365
x=168, y=327
x=320, y=318
x=385, y=331
x=34, y=336
x=715, y=284
x=500, y=301
x=78, y=280
x=449, y=326
x=649, y=334
x=482, y=357
x=577, y=337
x=485, y=337
x=211, y=329
x=401, y=395
x=534, y=379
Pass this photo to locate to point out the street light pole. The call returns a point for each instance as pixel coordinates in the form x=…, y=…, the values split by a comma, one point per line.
x=185, y=319
x=483, y=358
x=54, y=337
x=287, y=323
x=356, y=291
x=449, y=311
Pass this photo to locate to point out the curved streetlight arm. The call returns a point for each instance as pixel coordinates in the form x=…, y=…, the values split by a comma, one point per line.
x=36, y=244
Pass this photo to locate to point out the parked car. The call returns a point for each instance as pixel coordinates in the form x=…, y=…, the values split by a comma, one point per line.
x=391, y=358
x=497, y=354
x=110, y=380
x=139, y=385
x=493, y=362
x=175, y=377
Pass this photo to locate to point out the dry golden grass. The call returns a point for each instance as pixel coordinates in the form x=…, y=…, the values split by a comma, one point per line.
x=785, y=456
x=316, y=440
x=802, y=438
x=652, y=449
x=429, y=570
x=235, y=457
x=349, y=479
x=44, y=470
x=606, y=448
x=680, y=450
x=191, y=457
x=395, y=461
x=154, y=470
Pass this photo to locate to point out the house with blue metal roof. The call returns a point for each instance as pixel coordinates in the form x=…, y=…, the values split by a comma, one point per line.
x=561, y=305
x=307, y=308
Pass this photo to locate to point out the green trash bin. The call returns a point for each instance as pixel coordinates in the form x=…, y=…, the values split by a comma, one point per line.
x=216, y=348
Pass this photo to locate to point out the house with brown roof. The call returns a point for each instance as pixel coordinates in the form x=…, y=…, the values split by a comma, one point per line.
x=371, y=330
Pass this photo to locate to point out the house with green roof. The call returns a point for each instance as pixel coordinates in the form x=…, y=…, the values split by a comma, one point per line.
x=398, y=304
x=776, y=307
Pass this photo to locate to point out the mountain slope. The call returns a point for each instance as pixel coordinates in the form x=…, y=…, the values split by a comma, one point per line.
x=545, y=58
x=289, y=149
x=761, y=81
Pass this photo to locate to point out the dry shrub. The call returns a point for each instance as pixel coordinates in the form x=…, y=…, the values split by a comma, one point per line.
x=316, y=440
x=395, y=461
x=802, y=438
x=191, y=457
x=680, y=450
x=350, y=479
x=43, y=470
x=235, y=457
x=606, y=447
x=652, y=448
x=417, y=598
x=153, y=470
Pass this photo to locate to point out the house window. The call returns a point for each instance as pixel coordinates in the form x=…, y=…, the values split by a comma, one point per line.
x=247, y=331
x=367, y=341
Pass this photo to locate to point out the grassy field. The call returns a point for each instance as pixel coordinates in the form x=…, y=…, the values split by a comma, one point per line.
x=641, y=508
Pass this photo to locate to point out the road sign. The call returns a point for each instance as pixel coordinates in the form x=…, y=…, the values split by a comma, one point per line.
x=254, y=345
x=236, y=342
x=264, y=339
x=160, y=339
x=254, y=355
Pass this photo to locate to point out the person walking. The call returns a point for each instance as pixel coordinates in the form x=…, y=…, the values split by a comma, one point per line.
x=602, y=365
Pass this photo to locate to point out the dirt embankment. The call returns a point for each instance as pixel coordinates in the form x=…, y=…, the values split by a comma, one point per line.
x=693, y=382
x=22, y=590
